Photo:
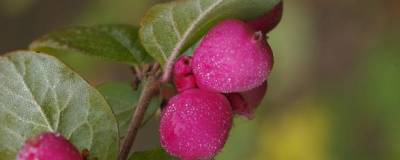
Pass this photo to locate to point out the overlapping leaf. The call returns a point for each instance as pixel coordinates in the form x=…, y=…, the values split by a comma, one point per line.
x=111, y=42
x=39, y=93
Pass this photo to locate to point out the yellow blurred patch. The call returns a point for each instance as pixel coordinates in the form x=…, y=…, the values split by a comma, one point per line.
x=298, y=133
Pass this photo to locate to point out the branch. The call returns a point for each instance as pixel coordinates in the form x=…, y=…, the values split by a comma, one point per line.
x=168, y=66
x=167, y=71
x=150, y=89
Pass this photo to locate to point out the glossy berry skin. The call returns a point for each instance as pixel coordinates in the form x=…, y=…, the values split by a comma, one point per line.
x=269, y=20
x=48, y=146
x=245, y=103
x=232, y=58
x=182, y=74
x=195, y=124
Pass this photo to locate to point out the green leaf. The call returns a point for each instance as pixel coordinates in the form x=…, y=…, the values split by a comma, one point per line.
x=122, y=99
x=39, y=93
x=170, y=28
x=157, y=154
x=111, y=42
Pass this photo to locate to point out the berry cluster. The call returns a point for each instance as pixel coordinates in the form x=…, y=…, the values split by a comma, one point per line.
x=227, y=75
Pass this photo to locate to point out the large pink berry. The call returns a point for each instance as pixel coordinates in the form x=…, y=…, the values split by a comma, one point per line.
x=232, y=58
x=244, y=103
x=195, y=124
x=269, y=20
x=48, y=146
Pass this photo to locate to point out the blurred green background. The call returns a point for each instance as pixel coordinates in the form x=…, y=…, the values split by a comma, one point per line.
x=334, y=92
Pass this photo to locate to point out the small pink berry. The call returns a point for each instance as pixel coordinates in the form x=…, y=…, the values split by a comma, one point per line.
x=48, y=146
x=269, y=20
x=183, y=75
x=195, y=124
x=185, y=83
x=183, y=66
x=244, y=103
x=232, y=58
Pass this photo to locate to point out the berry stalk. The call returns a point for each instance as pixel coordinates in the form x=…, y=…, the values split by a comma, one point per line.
x=150, y=89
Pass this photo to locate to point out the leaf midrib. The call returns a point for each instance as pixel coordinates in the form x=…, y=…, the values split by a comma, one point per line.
x=191, y=28
x=123, y=43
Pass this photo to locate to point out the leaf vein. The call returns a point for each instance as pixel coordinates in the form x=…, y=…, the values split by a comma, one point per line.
x=185, y=37
x=57, y=103
x=16, y=134
x=198, y=5
x=124, y=41
x=91, y=134
x=158, y=44
x=192, y=26
x=15, y=95
x=32, y=96
x=173, y=22
x=20, y=118
x=75, y=128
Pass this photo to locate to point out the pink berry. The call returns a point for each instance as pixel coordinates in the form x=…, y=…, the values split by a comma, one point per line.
x=244, y=103
x=232, y=58
x=185, y=83
x=183, y=75
x=195, y=124
x=48, y=146
x=183, y=66
x=269, y=20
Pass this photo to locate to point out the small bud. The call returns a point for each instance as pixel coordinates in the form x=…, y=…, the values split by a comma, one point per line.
x=244, y=103
x=269, y=20
x=183, y=66
x=183, y=75
x=185, y=83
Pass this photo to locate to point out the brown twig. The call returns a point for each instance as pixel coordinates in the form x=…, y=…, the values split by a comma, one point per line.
x=136, y=70
x=150, y=89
